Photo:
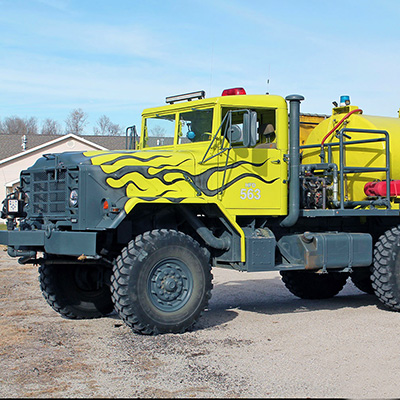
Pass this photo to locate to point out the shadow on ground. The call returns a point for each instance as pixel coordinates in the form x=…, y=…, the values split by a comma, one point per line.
x=269, y=297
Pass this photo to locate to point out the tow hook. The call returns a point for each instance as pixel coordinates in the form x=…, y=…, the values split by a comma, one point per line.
x=26, y=254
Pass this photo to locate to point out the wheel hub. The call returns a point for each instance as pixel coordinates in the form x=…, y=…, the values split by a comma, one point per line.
x=170, y=285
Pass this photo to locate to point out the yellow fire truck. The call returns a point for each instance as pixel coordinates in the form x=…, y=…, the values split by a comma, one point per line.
x=237, y=181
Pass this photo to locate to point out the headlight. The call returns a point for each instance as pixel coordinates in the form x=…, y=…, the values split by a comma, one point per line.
x=73, y=198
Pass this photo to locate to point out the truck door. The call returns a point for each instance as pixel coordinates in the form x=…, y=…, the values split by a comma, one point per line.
x=254, y=177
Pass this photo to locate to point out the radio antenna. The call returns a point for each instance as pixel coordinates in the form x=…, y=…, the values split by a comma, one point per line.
x=268, y=77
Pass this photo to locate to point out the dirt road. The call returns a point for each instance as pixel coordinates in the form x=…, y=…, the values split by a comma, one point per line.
x=256, y=340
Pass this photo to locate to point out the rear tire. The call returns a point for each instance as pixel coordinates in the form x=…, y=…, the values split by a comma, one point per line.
x=310, y=285
x=76, y=291
x=386, y=269
x=161, y=282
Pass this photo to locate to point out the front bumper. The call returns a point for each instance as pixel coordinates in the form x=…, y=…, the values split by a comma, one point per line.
x=53, y=242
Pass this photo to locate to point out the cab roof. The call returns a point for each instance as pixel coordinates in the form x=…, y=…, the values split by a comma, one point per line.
x=246, y=101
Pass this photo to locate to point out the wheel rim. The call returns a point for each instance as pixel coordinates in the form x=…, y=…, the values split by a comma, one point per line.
x=170, y=285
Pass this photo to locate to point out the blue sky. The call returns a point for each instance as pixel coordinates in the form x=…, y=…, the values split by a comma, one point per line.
x=118, y=57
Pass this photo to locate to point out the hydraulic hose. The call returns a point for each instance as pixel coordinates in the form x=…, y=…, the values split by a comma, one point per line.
x=338, y=124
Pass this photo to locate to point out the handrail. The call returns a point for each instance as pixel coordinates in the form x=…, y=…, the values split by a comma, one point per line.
x=347, y=169
x=315, y=146
x=362, y=169
x=132, y=130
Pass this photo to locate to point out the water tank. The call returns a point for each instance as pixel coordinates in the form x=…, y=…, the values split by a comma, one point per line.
x=357, y=155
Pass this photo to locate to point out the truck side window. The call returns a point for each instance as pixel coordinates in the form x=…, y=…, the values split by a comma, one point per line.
x=234, y=131
x=160, y=130
x=195, y=126
x=266, y=129
x=266, y=136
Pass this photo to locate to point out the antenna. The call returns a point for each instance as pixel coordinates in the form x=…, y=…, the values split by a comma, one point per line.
x=268, y=77
x=211, y=65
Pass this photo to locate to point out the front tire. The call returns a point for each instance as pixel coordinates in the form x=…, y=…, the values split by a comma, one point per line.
x=161, y=282
x=310, y=285
x=76, y=291
x=386, y=269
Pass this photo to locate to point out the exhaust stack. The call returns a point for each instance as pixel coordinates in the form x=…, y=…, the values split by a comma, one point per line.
x=294, y=160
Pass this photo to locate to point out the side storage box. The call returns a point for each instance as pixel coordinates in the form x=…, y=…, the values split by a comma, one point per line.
x=260, y=250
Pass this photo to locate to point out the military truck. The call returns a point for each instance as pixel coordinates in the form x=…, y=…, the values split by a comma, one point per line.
x=213, y=182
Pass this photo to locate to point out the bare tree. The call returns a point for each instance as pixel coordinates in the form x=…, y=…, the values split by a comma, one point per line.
x=51, y=127
x=17, y=126
x=76, y=121
x=14, y=125
x=106, y=127
x=158, y=131
x=31, y=125
x=2, y=130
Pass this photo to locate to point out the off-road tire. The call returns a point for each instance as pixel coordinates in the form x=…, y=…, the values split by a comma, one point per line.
x=310, y=285
x=361, y=277
x=161, y=282
x=74, y=291
x=386, y=269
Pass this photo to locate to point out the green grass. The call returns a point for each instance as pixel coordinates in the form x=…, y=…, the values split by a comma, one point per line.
x=3, y=227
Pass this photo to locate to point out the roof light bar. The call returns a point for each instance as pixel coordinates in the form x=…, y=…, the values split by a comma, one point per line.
x=233, y=91
x=201, y=94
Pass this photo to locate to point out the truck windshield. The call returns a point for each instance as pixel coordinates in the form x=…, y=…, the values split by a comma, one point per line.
x=195, y=126
x=160, y=130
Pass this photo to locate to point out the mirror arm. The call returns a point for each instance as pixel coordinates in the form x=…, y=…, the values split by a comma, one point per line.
x=213, y=140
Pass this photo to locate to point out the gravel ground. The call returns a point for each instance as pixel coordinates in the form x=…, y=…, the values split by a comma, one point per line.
x=256, y=340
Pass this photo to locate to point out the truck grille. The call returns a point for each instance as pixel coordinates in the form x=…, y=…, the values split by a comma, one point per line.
x=49, y=192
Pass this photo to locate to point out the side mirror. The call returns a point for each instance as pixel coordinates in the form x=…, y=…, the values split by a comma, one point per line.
x=234, y=134
x=250, y=129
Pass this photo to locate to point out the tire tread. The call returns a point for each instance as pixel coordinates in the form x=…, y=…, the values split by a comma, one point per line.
x=137, y=250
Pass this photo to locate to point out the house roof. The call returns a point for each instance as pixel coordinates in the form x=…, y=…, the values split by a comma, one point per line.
x=11, y=145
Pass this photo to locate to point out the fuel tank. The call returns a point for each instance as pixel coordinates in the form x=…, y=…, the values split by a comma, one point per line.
x=364, y=154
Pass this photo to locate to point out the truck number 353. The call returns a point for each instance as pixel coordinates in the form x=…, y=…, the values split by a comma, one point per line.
x=250, y=194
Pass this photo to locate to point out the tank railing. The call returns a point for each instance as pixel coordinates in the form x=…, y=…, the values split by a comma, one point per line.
x=356, y=170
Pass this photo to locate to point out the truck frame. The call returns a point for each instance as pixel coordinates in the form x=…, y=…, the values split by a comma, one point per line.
x=218, y=182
